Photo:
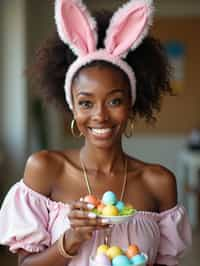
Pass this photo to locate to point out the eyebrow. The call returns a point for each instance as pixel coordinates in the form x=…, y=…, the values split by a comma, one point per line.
x=90, y=94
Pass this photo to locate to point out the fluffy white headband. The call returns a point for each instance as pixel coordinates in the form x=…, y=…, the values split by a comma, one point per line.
x=77, y=28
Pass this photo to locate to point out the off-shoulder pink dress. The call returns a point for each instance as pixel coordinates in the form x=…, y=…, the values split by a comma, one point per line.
x=33, y=222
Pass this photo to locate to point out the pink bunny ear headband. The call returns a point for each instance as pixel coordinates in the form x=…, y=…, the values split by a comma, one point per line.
x=77, y=28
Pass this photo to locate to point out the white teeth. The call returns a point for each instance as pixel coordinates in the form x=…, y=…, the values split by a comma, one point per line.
x=101, y=131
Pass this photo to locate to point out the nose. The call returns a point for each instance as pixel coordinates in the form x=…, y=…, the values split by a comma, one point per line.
x=100, y=113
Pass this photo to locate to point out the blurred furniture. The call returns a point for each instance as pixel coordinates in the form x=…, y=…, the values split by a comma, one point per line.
x=188, y=181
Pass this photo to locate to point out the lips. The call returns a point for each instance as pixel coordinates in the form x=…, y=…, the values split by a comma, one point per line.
x=101, y=132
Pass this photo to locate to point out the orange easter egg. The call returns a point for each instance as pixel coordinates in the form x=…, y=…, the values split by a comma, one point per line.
x=100, y=207
x=91, y=199
x=132, y=251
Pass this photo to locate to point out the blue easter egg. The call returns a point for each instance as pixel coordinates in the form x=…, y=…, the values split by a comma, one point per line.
x=138, y=259
x=120, y=205
x=109, y=198
x=121, y=260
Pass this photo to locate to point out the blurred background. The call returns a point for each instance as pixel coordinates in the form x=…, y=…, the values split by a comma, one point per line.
x=27, y=126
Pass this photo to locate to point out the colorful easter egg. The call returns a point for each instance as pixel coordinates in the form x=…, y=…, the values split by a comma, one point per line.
x=113, y=252
x=121, y=260
x=132, y=251
x=102, y=249
x=92, y=199
x=110, y=210
x=109, y=198
x=138, y=259
x=100, y=207
x=102, y=260
x=120, y=205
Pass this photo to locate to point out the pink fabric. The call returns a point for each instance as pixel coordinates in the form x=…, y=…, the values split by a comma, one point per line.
x=71, y=14
x=98, y=55
x=31, y=221
x=127, y=27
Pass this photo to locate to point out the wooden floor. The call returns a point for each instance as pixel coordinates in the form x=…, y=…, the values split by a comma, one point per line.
x=192, y=257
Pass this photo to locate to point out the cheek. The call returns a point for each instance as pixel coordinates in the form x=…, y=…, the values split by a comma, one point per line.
x=81, y=119
x=122, y=114
x=121, y=119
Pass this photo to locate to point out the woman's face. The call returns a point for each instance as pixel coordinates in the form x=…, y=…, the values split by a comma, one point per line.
x=101, y=104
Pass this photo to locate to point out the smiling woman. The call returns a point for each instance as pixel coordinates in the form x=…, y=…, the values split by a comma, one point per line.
x=101, y=97
x=118, y=73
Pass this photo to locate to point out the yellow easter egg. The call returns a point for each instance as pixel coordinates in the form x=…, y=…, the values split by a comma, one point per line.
x=102, y=249
x=113, y=252
x=110, y=210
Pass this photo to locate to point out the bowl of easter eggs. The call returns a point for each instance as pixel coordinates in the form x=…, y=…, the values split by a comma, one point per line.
x=111, y=208
x=115, y=256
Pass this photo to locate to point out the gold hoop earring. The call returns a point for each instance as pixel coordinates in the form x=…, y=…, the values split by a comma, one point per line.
x=129, y=128
x=73, y=129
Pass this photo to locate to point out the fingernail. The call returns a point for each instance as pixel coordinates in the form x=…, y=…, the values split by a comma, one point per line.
x=105, y=221
x=92, y=215
x=90, y=206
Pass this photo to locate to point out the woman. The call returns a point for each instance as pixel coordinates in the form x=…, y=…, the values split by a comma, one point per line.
x=106, y=87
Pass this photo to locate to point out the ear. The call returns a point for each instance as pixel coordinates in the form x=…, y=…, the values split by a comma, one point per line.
x=129, y=26
x=75, y=26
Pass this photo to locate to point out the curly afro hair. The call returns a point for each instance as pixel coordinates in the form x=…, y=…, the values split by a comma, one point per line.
x=148, y=61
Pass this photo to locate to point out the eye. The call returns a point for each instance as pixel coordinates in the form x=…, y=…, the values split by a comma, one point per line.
x=115, y=102
x=85, y=104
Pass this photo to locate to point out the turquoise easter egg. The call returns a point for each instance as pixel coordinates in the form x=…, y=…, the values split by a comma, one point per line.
x=109, y=198
x=120, y=205
x=138, y=259
x=121, y=260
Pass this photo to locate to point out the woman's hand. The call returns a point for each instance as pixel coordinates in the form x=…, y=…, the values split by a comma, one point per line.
x=83, y=224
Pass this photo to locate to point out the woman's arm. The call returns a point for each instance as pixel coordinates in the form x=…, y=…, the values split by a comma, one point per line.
x=49, y=257
x=40, y=173
x=82, y=228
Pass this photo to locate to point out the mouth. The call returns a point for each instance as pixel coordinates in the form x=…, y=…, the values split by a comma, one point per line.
x=102, y=133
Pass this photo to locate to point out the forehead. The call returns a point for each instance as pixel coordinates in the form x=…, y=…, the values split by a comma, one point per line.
x=106, y=77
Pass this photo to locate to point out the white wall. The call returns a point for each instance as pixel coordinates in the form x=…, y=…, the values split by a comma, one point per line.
x=14, y=100
x=161, y=149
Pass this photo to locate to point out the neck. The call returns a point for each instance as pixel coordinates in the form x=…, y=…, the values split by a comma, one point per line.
x=102, y=160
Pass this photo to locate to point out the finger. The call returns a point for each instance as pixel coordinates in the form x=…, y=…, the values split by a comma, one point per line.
x=89, y=222
x=81, y=205
x=84, y=230
x=79, y=214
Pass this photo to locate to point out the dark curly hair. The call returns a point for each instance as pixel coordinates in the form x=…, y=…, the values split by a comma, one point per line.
x=148, y=61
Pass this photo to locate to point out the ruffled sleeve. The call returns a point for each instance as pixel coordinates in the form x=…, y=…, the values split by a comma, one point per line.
x=175, y=236
x=24, y=220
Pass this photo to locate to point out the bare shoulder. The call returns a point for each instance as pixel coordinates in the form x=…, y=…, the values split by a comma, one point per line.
x=42, y=169
x=162, y=183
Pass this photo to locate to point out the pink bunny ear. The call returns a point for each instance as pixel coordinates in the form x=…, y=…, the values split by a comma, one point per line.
x=75, y=26
x=128, y=27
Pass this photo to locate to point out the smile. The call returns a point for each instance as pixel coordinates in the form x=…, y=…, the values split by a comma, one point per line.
x=101, y=131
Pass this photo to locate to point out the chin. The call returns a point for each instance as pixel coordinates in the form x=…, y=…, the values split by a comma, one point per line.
x=105, y=144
